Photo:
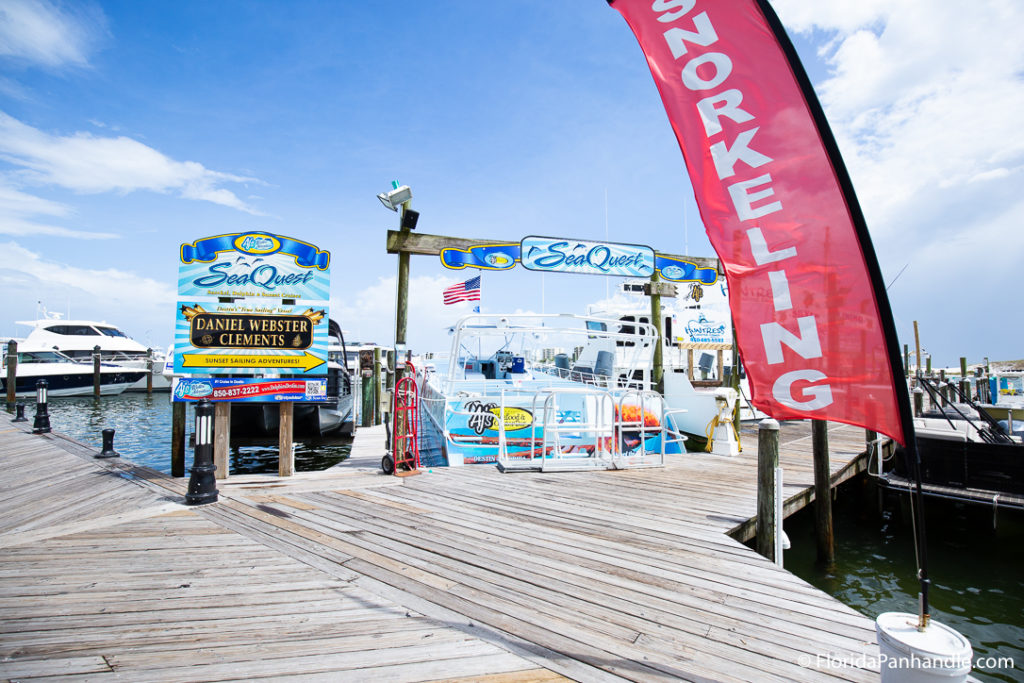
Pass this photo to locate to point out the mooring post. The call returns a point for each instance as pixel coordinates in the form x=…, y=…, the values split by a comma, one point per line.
x=12, y=375
x=906, y=359
x=917, y=348
x=178, y=417
x=377, y=413
x=108, y=446
x=965, y=385
x=96, y=371
x=918, y=401
x=767, y=462
x=366, y=384
x=41, y=425
x=824, y=531
x=149, y=371
x=19, y=413
x=870, y=439
x=202, y=484
x=657, y=367
x=221, y=437
x=285, y=451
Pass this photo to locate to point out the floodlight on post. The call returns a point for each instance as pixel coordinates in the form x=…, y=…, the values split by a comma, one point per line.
x=396, y=197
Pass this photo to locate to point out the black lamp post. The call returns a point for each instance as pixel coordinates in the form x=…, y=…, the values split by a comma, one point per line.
x=42, y=421
x=202, y=486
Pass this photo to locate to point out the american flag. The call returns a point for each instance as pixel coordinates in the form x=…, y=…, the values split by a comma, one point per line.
x=464, y=291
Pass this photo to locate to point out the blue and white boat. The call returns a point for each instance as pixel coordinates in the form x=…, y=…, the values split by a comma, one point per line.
x=548, y=392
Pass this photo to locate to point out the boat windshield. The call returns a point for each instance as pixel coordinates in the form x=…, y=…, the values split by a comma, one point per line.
x=73, y=330
x=521, y=346
x=112, y=332
x=42, y=357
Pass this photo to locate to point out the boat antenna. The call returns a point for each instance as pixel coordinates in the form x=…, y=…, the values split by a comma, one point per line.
x=893, y=281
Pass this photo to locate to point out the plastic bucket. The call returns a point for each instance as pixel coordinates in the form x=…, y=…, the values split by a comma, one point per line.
x=910, y=656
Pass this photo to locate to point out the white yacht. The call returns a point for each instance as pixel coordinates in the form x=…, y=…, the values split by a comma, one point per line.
x=76, y=339
x=65, y=376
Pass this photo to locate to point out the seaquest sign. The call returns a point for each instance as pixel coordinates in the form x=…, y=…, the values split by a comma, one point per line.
x=506, y=256
x=591, y=258
x=254, y=264
x=246, y=338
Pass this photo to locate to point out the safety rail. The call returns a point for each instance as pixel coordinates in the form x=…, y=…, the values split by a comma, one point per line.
x=633, y=433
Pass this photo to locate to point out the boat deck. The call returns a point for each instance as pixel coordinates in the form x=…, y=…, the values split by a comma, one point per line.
x=453, y=574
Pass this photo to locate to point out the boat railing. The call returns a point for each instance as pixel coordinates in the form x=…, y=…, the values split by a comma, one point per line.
x=991, y=432
x=639, y=416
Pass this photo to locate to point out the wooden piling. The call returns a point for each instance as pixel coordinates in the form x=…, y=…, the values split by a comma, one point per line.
x=823, y=528
x=965, y=385
x=12, y=375
x=917, y=347
x=178, y=416
x=96, y=384
x=366, y=384
x=658, y=367
x=149, y=371
x=285, y=451
x=221, y=437
x=918, y=401
x=767, y=462
x=870, y=437
x=377, y=416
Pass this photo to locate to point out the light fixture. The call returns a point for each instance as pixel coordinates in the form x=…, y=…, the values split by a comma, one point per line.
x=409, y=219
x=396, y=197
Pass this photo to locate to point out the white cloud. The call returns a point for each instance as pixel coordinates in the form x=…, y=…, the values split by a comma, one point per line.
x=369, y=314
x=85, y=163
x=924, y=97
x=18, y=211
x=138, y=303
x=49, y=33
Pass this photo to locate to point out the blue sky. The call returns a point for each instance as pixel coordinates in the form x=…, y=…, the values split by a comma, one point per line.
x=127, y=128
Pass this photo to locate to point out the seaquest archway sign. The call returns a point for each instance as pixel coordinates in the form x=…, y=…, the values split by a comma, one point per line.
x=251, y=303
x=564, y=255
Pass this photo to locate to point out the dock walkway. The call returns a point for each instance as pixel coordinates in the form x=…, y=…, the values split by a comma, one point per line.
x=454, y=574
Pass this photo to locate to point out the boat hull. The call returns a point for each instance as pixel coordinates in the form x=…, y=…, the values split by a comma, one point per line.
x=997, y=467
x=73, y=381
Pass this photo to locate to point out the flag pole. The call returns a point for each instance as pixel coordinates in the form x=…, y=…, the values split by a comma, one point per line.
x=910, y=450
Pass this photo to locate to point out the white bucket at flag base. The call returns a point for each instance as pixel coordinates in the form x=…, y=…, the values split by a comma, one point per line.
x=910, y=656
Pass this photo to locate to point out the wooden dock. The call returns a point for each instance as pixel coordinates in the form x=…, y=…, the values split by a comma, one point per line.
x=456, y=574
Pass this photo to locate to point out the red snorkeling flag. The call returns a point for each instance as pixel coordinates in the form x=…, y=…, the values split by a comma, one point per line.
x=812, y=319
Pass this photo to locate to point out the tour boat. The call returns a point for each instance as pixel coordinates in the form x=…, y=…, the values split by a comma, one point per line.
x=548, y=392
x=311, y=419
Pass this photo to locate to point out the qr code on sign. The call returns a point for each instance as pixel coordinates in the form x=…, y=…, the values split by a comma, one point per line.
x=316, y=389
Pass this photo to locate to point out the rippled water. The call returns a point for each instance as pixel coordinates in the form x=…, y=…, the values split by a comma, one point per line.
x=976, y=568
x=142, y=426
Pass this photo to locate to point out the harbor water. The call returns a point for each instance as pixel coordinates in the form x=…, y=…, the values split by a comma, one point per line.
x=142, y=425
x=975, y=561
x=976, y=555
